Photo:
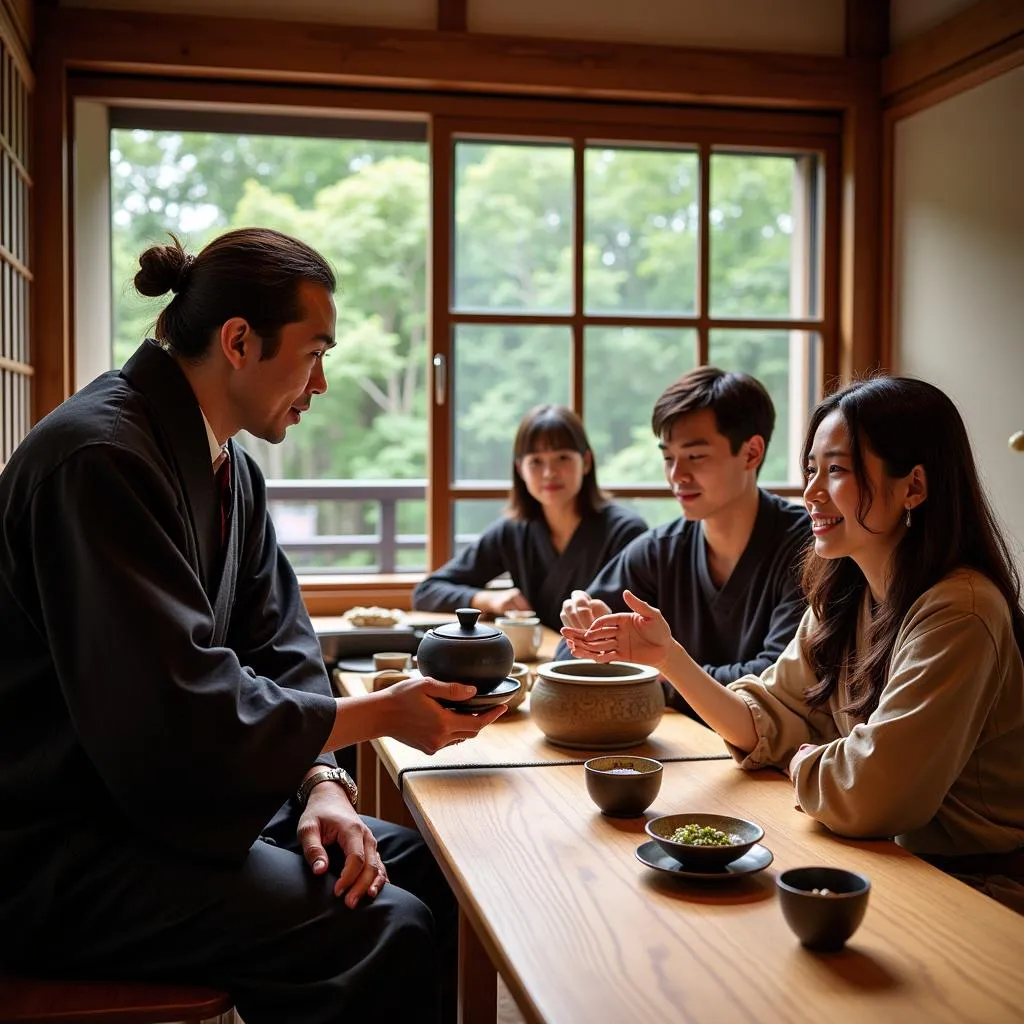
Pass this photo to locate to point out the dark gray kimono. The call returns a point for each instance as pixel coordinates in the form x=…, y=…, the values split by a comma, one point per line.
x=150, y=682
x=524, y=550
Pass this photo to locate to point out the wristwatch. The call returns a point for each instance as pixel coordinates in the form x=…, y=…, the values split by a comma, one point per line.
x=338, y=775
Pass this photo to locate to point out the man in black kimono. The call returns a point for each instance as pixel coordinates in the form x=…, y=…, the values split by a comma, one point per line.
x=171, y=809
x=726, y=575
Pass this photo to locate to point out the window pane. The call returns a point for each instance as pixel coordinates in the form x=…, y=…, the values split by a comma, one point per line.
x=641, y=231
x=502, y=371
x=513, y=227
x=786, y=363
x=364, y=205
x=761, y=230
x=470, y=517
x=655, y=511
x=363, y=527
x=626, y=368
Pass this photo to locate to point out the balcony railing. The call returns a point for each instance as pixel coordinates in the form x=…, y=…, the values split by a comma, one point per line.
x=383, y=545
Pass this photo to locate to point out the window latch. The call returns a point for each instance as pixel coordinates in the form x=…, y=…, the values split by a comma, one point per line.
x=440, y=379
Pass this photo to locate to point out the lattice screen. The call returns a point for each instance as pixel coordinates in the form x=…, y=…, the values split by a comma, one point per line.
x=15, y=276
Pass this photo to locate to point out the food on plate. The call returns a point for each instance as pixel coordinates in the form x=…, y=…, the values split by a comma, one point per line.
x=373, y=616
x=703, y=835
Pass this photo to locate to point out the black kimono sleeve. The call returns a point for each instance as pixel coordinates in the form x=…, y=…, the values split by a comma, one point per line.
x=193, y=749
x=457, y=581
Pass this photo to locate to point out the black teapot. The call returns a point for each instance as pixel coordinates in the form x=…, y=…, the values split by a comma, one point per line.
x=466, y=652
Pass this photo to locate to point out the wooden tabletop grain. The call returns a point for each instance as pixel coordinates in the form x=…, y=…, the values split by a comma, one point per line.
x=582, y=932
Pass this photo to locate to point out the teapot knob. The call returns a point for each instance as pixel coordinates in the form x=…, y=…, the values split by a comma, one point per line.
x=467, y=618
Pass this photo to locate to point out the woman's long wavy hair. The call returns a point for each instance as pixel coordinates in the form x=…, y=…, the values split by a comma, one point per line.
x=906, y=423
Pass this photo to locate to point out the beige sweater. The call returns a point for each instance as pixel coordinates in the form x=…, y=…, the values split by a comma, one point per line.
x=940, y=763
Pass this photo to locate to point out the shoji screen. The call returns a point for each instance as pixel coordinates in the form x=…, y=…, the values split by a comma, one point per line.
x=15, y=276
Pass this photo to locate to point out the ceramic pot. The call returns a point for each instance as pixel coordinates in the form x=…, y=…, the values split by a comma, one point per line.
x=589, y=706
x=465, y=652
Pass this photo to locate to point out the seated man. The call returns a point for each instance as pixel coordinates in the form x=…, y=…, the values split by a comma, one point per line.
x=172, y=810
x=726, y=575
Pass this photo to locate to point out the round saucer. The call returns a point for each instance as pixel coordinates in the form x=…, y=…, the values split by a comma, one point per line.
x=757, y=858
x=501, y=694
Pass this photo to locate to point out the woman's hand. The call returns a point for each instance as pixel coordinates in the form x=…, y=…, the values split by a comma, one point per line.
x=417, y=719
x=500, y=602
x=329, y=817
x=641, y=635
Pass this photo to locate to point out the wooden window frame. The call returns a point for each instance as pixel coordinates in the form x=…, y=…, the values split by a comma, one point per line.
x=177, y=59
x=757, y=137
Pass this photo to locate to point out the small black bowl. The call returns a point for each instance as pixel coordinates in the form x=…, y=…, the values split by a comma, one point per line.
x=704, y=858
x=622, y=785
x=823, y=906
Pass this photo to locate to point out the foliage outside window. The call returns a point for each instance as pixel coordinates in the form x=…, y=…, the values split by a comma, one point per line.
x=366, y=205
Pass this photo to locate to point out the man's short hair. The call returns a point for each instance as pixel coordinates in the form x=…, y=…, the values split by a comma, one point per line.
x=741, y=404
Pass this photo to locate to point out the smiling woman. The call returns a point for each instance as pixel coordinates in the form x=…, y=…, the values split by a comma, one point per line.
x=910, y=652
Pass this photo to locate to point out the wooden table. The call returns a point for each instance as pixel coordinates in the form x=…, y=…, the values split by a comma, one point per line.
x=385, y=765
x=553, y=897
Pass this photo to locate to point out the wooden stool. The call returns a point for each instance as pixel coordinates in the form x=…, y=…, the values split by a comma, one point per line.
x=105, y=1002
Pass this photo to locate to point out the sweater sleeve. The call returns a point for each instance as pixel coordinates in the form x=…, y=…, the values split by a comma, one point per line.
x=782, y=719
x=891, y=773
x=455, y=583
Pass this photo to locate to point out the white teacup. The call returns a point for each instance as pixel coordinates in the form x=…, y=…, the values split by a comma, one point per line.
x=524, y=634
x=522, y=673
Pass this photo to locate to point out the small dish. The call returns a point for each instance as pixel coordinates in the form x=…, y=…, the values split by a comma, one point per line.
x=757, y=858
x=704, y=858
x=501, y=694
x=363, y=665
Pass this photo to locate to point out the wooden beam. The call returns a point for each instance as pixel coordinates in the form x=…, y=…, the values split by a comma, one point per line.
x=452, y=15
x=51, y=229
x=860, y=273
x=867, y=28
x=252, y=49
x=989, y=26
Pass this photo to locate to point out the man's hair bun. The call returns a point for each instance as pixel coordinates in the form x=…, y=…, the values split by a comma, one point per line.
x=162, y=269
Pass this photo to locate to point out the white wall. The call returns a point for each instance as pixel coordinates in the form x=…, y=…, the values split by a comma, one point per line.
x=909, y=18
x=959, y=270
x=92, y=340
x=797, y=26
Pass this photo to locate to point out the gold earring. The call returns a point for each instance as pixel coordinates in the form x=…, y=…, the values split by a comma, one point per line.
x=906, y=519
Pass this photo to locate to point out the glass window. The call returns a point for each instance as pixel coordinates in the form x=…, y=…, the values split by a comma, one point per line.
x=785, y=362
x=364, y=204
x=501, y=371
x=625, y=370
x=642, y=231
x=513, y=227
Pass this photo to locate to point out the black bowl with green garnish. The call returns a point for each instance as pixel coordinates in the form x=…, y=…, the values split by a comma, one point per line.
x=704, y=842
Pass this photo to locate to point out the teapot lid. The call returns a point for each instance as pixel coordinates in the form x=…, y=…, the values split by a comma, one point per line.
x=467, y=627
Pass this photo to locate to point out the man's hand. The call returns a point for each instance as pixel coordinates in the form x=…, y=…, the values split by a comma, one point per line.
x=641, y=635
x=329, y=817
x=581, y=610
x=415, y=717
x=500, y=602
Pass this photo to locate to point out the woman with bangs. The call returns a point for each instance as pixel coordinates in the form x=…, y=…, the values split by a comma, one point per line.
x=558, y=530
x=898, y=708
